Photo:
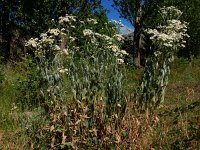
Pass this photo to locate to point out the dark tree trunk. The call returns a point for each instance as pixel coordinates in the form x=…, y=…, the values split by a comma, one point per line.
x=5, y=29
x=137, y=32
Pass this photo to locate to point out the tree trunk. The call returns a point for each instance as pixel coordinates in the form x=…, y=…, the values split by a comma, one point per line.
x=6, y=35
x=137, y=32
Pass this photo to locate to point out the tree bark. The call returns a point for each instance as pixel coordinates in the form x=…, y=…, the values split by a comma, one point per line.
x=137, y=32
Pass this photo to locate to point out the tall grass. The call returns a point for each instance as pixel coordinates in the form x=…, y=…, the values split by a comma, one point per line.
x=11, y=136
x=8, y=93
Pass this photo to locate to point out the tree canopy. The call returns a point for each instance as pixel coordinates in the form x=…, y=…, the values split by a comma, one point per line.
x=149, y=18
x=21, y=19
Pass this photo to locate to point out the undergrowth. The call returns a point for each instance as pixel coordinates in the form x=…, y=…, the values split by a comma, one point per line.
x=175, y=125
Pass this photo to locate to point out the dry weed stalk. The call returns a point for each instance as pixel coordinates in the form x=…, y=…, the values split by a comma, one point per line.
x=76, y=127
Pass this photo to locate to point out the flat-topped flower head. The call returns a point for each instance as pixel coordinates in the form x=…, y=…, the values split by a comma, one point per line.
x=170, y=11
x=87, y=32
x=32, y=42
x=118, y=37
x=92, y=21
x=67, y=19
x=55, y=32
x=171, y=34
x=117, y=23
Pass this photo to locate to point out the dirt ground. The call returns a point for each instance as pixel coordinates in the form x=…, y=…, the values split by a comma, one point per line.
x=1, y=136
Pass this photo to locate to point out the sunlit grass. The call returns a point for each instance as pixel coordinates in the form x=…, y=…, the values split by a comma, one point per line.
x=8, y=94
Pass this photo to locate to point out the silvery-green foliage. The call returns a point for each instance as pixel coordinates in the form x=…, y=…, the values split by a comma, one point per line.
x=89, y=58
x=49, y=57
x=93, y=68
x=90, y=61
x=166, y=38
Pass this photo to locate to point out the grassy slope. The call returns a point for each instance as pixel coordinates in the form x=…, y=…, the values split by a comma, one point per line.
x=179, y=126
x=179, y=116
x=9, y=127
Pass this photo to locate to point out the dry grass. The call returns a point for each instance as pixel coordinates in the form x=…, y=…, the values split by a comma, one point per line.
x=175, y=125
x=13, y=141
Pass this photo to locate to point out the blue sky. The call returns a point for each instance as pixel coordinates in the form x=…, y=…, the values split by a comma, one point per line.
x=113, y=14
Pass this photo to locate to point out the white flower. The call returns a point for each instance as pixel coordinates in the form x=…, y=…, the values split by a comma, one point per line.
x=63, y=70
x=124, y=52
x=65, y=51
x=32, y=42
x=66, y=19
x=114, y=48
x=171, y=10
x=73, y=18
x=72, y=38
x=167, y=45
x=120, y=61
x=43, y=35
x=55, y=32
x=82, y=22
x=87, y=32
x=118, y=37
x=57, y=47
x=93, y=40
x=46, y=40
x=119, y=105
x=170, y=34
x=98, y=34
x=107, y=38
x=93, y=21
x=157, y=53
x=182, y=45
x=118, y=23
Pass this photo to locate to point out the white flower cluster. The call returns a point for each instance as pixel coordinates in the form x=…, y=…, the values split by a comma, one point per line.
x=117, y=23
x=46, y=41
x=94, y=35
x=51, y=40
x=63, y=70
x=92, y=21
x=32, y=42
x=87, y=32
x=177, y=25
x=119, y=53
x=171, y=11
x=119, y=37
x=109, y=43
x=67, y=19
x=122, y=29
x=171, y=34
x=70, y=18
x=72, y=39
x=55, y=32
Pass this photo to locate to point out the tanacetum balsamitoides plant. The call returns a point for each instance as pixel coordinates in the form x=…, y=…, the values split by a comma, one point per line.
x=88, y=59
x=167, y=38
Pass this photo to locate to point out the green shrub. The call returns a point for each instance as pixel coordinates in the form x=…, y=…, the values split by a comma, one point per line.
x=29, y=86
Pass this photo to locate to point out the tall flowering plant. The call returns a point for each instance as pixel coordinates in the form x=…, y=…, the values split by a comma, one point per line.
x=87, y=56
x=93, y=65
x=89, y=60
x=167, y=38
